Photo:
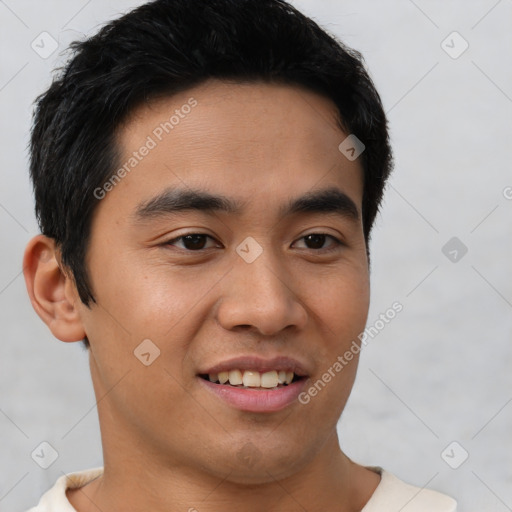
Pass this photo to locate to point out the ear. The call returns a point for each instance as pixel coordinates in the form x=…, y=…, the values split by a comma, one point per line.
x=52, y=292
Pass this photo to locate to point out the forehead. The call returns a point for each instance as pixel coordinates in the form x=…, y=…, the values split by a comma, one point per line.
x=248, y=113
x=255, y=142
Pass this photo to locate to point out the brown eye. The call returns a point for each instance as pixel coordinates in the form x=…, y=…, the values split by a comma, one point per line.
x=191, y=242
x=316, y=241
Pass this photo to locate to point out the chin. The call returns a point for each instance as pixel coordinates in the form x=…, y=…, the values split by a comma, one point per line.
x=256, y=465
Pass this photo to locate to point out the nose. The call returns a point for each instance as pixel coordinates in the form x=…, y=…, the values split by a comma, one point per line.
x=260, y=296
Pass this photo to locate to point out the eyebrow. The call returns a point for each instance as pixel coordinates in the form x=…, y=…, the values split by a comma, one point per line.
x=330, y=200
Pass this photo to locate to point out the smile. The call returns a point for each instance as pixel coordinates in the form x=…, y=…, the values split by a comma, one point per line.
x=255, y=398
x=273, y=379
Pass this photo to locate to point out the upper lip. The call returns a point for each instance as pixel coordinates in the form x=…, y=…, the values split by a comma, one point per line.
x=256, y=363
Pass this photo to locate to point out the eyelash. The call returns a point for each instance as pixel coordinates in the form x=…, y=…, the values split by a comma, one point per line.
x=337, y=243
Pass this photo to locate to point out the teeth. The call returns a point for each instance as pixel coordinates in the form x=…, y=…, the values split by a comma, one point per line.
x=235, y=377
x=269, y=380
x=252, y=379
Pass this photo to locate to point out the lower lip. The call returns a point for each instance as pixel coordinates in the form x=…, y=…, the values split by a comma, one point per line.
x=257, y=400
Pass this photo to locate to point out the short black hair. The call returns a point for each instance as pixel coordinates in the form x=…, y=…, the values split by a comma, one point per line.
x=168, y=46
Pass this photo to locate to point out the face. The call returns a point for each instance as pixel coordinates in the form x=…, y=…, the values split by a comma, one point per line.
x=232, y=243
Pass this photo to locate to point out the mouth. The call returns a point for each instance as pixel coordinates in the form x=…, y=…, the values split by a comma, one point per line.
x=252, y=379
x=253, y=384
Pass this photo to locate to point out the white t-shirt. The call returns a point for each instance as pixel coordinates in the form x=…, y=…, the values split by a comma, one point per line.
x=391, y=495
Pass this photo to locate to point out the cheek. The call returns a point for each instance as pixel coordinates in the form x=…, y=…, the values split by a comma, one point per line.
x=341, y=303
x=150, y=298
x=342, y=310
x=133, y=307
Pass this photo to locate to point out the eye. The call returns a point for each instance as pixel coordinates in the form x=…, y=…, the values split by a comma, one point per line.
x=316, y=242
x=195, y=242
x=192, y=241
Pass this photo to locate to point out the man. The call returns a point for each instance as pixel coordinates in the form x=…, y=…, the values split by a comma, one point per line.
x=206, y=176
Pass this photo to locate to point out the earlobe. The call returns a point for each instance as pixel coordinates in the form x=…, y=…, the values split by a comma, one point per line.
x=52, y=292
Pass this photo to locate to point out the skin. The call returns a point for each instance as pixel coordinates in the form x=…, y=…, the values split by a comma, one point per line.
x=168, y=444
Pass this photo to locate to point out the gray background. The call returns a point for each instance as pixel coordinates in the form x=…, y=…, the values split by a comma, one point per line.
x=440, y=371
